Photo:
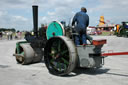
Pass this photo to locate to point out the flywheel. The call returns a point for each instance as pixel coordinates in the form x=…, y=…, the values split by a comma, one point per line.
x=55, y=29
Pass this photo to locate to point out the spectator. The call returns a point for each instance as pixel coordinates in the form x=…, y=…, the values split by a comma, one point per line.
x=1, y=35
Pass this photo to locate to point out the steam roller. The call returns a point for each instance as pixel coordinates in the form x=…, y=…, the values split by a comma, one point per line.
x=56, y=48
x=31, y=50
x=62, y=56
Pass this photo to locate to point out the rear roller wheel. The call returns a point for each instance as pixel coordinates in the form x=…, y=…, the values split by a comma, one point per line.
x=60, y=55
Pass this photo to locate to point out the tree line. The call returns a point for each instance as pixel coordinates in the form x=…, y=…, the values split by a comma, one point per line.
x=7, y=29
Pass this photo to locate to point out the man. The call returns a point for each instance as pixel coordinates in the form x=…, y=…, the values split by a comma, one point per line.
x=82, y=20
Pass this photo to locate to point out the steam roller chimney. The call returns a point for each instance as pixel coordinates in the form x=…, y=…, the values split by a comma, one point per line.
x=35, y=20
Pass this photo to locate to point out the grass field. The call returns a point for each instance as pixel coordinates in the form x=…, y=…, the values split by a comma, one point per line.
x=106, y=33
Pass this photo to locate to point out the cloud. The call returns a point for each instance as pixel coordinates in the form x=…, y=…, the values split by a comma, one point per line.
x=4, y=19
x=18, y=22
x=18, y=13
x=7, y=4
x=112, y=10
x=2, y=13
x=59, y=10
x=20, y=18
x=60, y=14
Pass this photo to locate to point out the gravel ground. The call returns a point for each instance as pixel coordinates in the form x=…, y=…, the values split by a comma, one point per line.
x=114, y=72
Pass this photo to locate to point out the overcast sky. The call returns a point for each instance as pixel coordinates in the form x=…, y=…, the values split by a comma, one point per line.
x=18, y=13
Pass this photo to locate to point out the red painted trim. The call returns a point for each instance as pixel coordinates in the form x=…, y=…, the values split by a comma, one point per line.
x=112, y=54
x=99, y=42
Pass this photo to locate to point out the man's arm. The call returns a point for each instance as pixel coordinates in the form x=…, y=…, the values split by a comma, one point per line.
x=87, y=24
x=74, y=20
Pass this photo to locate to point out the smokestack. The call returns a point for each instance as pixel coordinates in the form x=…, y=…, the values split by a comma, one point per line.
x=35, y=19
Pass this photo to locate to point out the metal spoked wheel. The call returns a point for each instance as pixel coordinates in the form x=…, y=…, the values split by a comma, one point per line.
x=60, y=59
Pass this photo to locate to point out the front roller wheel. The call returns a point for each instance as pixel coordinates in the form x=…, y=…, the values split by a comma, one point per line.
x=60, y=55
x=24, y=54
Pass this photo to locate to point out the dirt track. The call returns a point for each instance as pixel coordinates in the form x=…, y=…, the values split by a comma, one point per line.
x=114, y=72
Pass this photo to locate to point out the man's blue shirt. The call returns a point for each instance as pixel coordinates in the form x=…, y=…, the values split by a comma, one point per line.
x=82, y=20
